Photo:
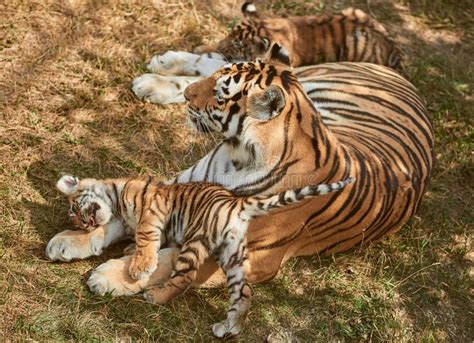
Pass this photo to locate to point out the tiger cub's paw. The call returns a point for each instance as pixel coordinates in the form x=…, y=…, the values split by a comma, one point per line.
x=223, y=329
x=143, y=264
x=158, y=295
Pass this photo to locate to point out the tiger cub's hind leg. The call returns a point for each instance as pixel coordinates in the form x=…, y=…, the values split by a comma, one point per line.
x=192, y=255
x=235, y=264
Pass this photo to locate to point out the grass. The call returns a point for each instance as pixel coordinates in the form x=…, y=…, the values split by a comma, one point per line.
x=67, y=106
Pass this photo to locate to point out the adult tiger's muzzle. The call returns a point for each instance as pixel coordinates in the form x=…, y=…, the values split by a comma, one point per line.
x=199, y=92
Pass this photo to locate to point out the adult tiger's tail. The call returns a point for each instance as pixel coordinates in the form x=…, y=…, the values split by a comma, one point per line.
x=255, y=206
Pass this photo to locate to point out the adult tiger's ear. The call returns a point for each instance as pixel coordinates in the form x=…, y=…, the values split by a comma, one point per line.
x=68, y=184
x=249, y=10
x=267, y=104
x=278, y=54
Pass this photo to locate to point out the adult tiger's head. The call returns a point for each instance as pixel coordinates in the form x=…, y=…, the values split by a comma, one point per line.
x=89, y=205
x=244, y=43
x=241, y=93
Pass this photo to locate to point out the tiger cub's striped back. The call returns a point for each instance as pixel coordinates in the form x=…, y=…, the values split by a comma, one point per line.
x=205, y=219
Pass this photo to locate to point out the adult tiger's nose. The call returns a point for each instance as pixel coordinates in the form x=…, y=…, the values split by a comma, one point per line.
x=200, y=91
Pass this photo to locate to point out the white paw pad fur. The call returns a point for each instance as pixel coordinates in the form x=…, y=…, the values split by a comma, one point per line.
x=158, y=89
x=170, y=63
x=112, y=277
x=142, y=274
x=65, y=246
x=222, y=330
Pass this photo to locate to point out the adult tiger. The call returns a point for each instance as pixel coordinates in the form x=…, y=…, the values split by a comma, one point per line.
x=351, y=36
x=286, y=130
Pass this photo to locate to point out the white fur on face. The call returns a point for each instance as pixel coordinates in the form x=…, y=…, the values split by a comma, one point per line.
x=91, y=192
x=227, y=91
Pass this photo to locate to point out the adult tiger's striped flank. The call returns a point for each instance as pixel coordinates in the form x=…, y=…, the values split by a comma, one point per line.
x=204, y=219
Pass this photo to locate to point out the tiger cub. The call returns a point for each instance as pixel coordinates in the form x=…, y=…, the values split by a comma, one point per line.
x=351, y=36
x=205, y=219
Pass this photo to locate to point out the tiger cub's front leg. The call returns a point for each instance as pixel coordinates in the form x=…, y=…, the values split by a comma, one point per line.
x=234, y=262
x=192, y=255
x=148, y=242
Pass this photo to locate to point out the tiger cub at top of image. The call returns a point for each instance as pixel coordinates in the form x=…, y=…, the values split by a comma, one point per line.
x=351, y=36
x=204, y=219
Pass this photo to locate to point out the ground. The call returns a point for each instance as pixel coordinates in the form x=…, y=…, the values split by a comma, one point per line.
x=66, y=106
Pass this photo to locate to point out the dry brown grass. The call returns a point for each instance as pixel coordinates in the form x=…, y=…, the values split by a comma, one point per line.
x=66, y=106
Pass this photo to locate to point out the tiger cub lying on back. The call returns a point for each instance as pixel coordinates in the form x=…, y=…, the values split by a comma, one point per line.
x=351, y=36
x=205, y=219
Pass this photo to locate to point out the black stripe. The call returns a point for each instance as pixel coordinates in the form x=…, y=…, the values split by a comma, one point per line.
x=148, y=181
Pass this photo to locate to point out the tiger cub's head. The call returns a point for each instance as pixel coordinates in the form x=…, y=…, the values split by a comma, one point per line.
x=243, y=42
x=89, y=205
x=241, y=93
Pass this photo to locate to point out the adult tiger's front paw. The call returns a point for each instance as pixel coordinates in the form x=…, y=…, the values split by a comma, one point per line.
x=168, y=63
x=159, y=89
x=69, y=245
x=143, y=265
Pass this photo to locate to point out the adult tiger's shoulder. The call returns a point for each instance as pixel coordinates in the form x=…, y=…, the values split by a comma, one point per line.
x=351, y=36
